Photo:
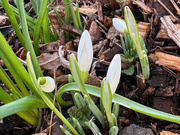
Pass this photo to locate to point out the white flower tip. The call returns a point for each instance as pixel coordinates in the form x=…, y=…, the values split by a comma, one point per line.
x=114, y=72
x=49, y=85
x=85, y=51
x=119, y=24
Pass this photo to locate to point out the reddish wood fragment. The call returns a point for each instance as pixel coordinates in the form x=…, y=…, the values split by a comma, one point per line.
x=167, y=133
x=149, y=91
x=107, y=21
x=143, y=28
x=170, y=61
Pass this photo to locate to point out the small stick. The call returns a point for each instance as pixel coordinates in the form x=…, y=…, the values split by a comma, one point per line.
x=175, y=6
x=167, y=9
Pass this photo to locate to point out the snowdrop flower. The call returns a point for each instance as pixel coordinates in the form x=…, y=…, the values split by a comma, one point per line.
x=119, y=24
x=114, y=73
x=47, y=83
x=85, y=54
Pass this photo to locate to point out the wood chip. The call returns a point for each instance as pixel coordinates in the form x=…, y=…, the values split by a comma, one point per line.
x=72, y=29
x=100, y=13
x=172, y=30
x=4, y=20
x=170, y=61
x=144, y=7
x=143, y=28
x=94, y=32
x=167, y=133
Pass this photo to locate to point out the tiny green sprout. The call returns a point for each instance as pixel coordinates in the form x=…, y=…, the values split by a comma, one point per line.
x=85, y=54
x=47, y=83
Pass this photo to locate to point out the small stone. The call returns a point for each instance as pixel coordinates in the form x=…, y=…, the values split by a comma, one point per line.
x=135, y=130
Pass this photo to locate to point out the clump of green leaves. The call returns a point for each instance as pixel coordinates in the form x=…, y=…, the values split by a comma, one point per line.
x=132, y=43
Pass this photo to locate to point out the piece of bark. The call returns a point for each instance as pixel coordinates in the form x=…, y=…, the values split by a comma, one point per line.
x=175, y=6
x=4, y=20
x=99, y=45
x=63, y=61
x=100, y=13
x=170, y=61
x=164, y=7
x=94, y=32
x=144, y=7
x=110, y=54
x=143, y=28
x=140, y=83
x=172, y=30
x=163, y=35
x=72, y=29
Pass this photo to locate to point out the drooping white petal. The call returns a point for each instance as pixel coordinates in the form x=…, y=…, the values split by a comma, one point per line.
x=85, y=52
x=119, y=24
x=49, y=85
x=114, y=72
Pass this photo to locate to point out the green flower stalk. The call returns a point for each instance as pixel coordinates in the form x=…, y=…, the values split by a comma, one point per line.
x=134, y=34
x=108, y=87
x=80, y=71
x=43, y=95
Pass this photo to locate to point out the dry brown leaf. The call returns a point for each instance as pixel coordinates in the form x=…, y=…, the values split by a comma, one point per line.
x=87, y=10
x=52, y=15
x=50, y=47
x=49, y=61
x=167, y=133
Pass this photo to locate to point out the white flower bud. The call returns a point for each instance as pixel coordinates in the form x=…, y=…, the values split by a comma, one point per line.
x=114, y=72
x=85, y=52
x=119, y=24
x=47, y=83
